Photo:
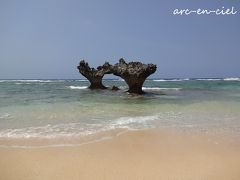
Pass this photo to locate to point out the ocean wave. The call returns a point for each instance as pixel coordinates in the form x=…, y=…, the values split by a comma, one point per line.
x=159, y=89
x=209, y=79
x=78, y=129
x=200, y=79
x=19, y=83
x=5, y=116
x=89, y=130
x=81, y=80
x=153, y=88
x=166, y=80
x=31, y=81
x=50, y=131
x=122, y=87
x=123, y=121
x=231, y=79
x=77, y=87
x=59, y=145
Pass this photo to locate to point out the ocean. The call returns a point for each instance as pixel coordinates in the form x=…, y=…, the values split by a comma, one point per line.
x=67, y=109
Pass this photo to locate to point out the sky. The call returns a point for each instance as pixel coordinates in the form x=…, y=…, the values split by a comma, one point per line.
x=46, y=39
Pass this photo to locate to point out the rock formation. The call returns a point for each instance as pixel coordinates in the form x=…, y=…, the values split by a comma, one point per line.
x=94, y=75
x=134, y=73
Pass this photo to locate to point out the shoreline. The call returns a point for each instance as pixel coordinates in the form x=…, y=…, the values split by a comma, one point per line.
x=142, y=154
x=78, y=141
x=72, y=141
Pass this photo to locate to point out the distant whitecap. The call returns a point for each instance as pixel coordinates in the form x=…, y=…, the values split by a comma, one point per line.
x=209, y=79
x=159, y=89
x=78, y=87
x=232, y=79
x=167, y=80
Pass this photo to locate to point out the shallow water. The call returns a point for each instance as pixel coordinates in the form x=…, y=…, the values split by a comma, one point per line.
x=67, y=108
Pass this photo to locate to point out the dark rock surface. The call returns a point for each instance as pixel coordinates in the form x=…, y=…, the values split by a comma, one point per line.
x=134, y=73
x=94, y=75
x=115, y=88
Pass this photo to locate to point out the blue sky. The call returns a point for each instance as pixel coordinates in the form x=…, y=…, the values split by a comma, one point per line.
x=47, y=38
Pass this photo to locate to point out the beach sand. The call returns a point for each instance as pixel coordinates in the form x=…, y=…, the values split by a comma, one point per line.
x=136, y=155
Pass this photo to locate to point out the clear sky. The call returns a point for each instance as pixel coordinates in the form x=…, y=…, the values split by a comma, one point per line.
x=47, y=38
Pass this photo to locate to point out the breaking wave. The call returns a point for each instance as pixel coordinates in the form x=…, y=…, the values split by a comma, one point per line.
x=159, y=89
x=78, y=129
x=232, y=79
x=81, y=80
x=125, y=87
x=219, y=79
x=166, y=80
x=209, y=79
x=31, y=81
x=77, y=87
x=5, y=116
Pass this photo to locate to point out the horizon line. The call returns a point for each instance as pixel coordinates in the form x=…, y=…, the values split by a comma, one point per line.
x=119, y=78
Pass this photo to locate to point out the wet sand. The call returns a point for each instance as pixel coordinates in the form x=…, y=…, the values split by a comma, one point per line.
x=141, y=155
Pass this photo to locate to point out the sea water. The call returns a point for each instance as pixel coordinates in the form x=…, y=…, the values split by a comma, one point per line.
x=51, y=109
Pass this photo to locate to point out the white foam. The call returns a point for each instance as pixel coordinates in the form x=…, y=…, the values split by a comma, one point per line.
x=77, y=87
x=231, y=79
x=22, y=83
x=60, y=145
x=76, y=129
x=81, y=80
x=31, y=80
x=5, y=116
x=159, y=80
x=153, y=88
x=122, y=87
x=159, y=89
x=130, y=120
x=208, y=79
x=50, y=131
x=163, y=80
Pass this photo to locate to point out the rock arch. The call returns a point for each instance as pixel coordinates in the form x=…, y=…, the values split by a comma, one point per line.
x=134, y=74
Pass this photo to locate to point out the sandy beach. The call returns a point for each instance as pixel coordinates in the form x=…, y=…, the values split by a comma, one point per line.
x=119, y=90
x=146, y=154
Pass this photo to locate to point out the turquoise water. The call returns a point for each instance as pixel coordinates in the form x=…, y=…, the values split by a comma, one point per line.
x=67, y=108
